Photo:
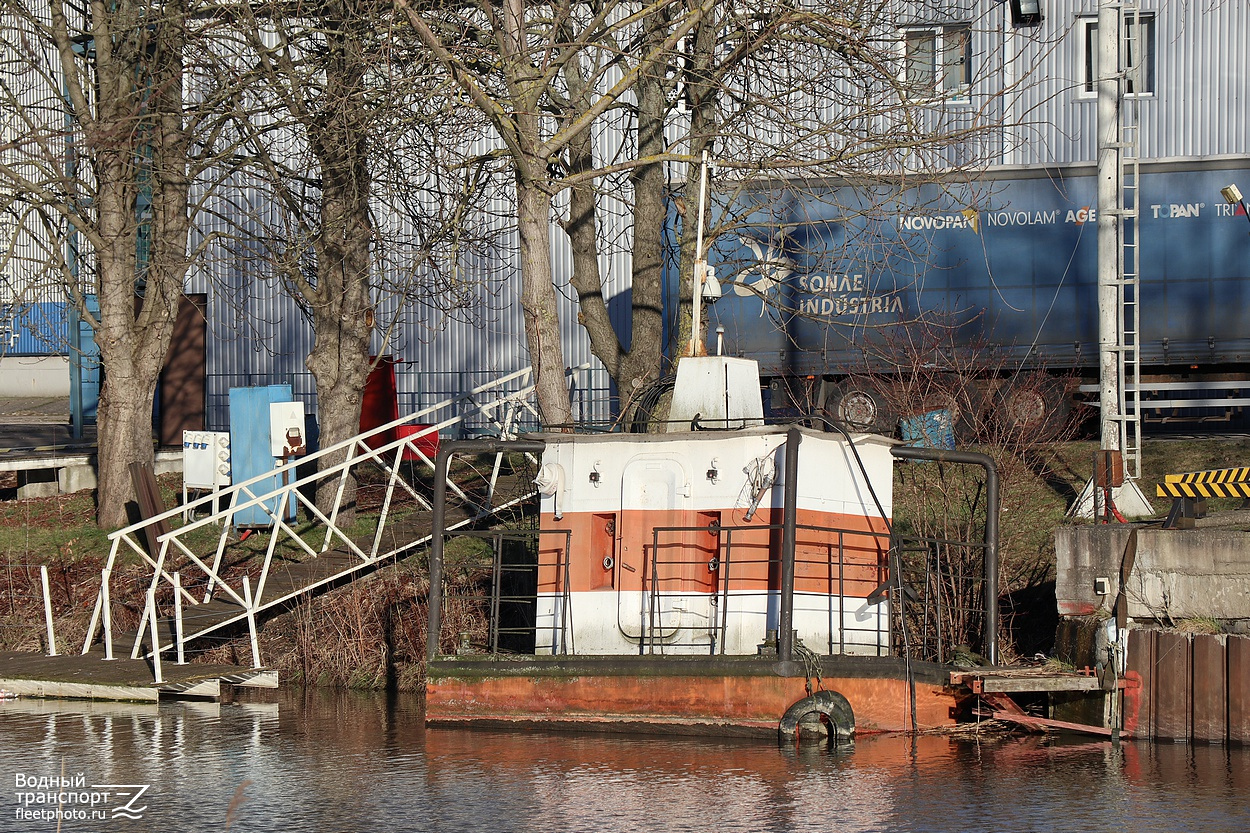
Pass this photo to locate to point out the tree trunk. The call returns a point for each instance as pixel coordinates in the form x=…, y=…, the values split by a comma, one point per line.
x=538, y=303
x=341, y=304
x=643, y=364
x=339, y=363
x=631, y=368
x=124, y=436
x=138, y=143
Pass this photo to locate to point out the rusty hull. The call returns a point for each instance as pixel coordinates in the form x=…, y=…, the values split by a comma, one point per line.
x=694, y=695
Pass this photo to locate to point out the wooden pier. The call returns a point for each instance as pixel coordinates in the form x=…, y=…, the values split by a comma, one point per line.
x=89, y=677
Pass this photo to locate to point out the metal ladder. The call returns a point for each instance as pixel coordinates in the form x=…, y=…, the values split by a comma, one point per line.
x=1129, y=267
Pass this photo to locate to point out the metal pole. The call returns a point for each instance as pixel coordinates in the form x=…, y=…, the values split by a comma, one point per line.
x=699, y=265
x=990, y=596
x=47, y=610
x=108, y=618
x=1109, y=223
x=251, y=621
x=156, y=636
x=789, y=534
x=182, y=659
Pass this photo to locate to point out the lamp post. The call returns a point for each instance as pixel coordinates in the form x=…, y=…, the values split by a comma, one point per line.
x=1232, y=196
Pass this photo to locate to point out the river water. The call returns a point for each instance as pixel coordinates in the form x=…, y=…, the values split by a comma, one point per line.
x=340, y=761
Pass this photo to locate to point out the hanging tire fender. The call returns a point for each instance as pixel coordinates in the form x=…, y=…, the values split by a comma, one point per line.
x=825, y=713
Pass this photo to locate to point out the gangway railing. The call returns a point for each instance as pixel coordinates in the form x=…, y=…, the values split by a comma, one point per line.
x=502, y=404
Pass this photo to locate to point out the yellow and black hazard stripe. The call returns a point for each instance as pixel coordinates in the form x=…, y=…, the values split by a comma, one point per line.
x=1241, y=474
x=1231, y=482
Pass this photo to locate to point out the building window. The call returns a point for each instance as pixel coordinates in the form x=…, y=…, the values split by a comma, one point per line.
x=937, y=62
x=1137, y=53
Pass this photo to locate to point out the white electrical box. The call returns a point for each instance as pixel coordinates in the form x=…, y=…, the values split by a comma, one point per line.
x=205, y=459
x=287, y=437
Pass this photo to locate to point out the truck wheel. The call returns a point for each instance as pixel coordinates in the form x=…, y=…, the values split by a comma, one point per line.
x=860, y=406
x=965, y=402
x=1036, y=408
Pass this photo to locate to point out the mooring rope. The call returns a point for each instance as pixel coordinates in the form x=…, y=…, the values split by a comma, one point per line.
x=811, y=666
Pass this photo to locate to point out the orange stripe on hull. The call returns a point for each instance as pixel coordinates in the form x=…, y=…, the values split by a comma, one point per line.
x=614, y=551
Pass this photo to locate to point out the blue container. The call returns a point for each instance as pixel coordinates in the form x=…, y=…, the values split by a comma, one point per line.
x=931, y=430
x=250, y=451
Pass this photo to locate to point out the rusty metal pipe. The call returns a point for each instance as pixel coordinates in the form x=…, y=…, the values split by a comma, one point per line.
x=789, y=535
x=972, y=458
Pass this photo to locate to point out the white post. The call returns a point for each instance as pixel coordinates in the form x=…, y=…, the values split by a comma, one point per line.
x=156, y=636
x=47, y=610
x=700, y=266
x=95, y=612
x=105, y=615
x=251, y=622
x=182, y=660
x=1109, y=222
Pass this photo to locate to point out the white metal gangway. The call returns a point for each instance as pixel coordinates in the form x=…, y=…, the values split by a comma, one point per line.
x=332, y=554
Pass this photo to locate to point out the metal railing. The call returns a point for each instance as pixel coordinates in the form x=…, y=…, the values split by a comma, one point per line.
x=742, y=570
x=500, y=589
x=503, y=404
x=935, y=605
x=942, y=593
x=834, y=579
x=941, y=597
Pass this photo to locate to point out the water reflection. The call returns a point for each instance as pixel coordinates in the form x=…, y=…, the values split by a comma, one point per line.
x=334, y=761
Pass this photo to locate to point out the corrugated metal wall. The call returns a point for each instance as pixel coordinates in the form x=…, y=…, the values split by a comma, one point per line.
x=33, y=312
x=1199, y=108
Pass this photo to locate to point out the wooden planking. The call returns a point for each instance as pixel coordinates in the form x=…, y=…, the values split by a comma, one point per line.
x=1040, y=683
x=87, y=677
x=67, y=690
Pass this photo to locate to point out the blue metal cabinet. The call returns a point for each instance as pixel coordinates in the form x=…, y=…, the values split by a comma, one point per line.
x=250, y=450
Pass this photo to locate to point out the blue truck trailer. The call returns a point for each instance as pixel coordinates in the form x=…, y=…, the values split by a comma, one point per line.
x=840, y=289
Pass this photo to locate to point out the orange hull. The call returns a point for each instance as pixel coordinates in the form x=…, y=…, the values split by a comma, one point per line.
x=664, y=694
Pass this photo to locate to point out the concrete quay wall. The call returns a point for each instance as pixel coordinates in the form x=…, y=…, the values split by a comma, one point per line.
x=1175, y=573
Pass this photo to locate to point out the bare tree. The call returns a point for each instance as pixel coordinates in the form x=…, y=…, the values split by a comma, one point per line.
x=784, y=95
x=544, y=77
x=97, y=184
x=347, y=122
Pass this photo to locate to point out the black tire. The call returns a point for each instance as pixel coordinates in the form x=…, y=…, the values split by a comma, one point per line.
x=1033, y=408
x=825, y=714
x=861, y=406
